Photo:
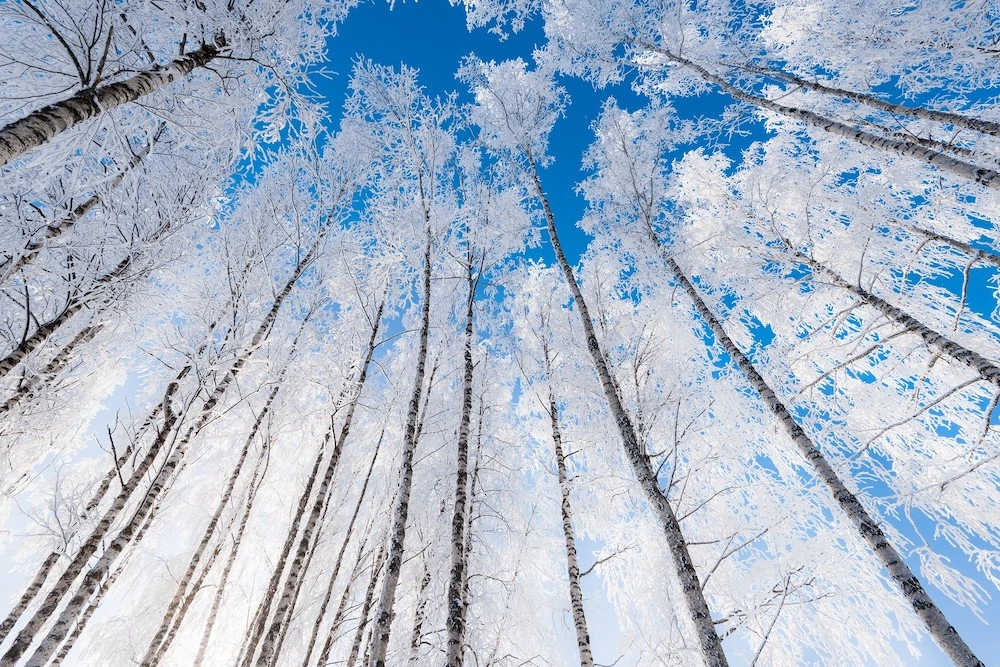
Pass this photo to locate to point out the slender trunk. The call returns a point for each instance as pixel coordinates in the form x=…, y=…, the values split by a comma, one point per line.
x=387, y=598
x=259, y=624
x=39, y=126
x=256, y=631
x=473, y=485
x=260, y=469
x=93, y=578
x=29, y=389
x=89, y=547
x=958, y=120
x=366, y=607
x=934, y=620
x=455, y=622
x=44, y=331
x=340, y=556
x=698, y=612
x=988, y=370
x=29, y=594
x=572, y=563
x=73, y=306
x=58, y=228
x=45, y=569
x=296, y=571
x=987, y=177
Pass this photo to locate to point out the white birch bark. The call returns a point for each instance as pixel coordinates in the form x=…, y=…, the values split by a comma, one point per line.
x=162, y=478
x=297, y=570
x=181, y=600
x=986, y=368
x=61, y=226
x=340, y=556
x=366, y=607
x=39, y=126
x=958, y=120
x=29, y=388
x=974, y=253
x=569, y=535
x=455, y=622
x=341, y=613
x=220, y=589
x=387, y=597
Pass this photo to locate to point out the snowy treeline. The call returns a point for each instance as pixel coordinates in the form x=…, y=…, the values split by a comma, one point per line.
x=275, y=393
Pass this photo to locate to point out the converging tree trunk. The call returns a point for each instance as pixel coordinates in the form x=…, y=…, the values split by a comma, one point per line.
x=987, y=177
x=296, y=571
x=697, y=608
x=340, y=556
x=97, y=572
x=988, y=370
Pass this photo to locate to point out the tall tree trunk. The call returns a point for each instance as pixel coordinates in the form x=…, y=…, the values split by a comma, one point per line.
x=81, y=624
x=934, y=620
x=296, y=571
x=340, y=556
x=341, y=613
x=74, y=305
x=572, y=563
x=45, y=569
x=417, y=635
x=39, y=126
x=987, y=177
x=958, y=120
x=701, y=618
x=470, y=515
x=256, y=631
x=455, y=623
x=973, y=252
x=44, y=331
x=89, y=547
x=387, y=598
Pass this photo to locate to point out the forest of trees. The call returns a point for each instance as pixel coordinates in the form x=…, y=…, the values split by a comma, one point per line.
x=289, y=380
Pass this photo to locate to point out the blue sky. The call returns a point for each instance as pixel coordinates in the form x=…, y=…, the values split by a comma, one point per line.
x=432, y=37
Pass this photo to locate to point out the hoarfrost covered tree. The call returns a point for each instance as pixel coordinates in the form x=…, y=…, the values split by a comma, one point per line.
x=277, y=394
